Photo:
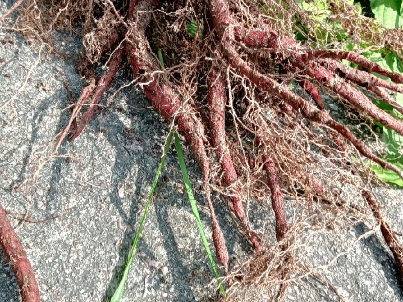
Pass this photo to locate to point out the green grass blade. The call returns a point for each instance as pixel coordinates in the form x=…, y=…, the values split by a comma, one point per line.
x=195, y=211
x=120, y=289
x=161, y=58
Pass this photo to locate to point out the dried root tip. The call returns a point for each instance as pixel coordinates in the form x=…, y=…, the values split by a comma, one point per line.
x=277, y=200
x=313, y=92
x=387, y=232
x=219, y=244
x=86, y=95
x=19, y=262
x=218, y=236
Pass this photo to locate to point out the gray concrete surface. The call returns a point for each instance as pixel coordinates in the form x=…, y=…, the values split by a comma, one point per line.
x=96, y=190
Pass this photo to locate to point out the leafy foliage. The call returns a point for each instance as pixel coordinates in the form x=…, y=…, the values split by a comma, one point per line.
x=389, y=13
x=320, y=12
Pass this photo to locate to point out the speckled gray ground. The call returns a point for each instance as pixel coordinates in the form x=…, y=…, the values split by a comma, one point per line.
x=98, y=187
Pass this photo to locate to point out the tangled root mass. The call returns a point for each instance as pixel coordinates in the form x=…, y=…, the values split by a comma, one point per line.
x=227, y=86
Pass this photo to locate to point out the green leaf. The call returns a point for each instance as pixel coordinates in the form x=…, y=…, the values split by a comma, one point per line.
x=192, y=28
x=117, y=296
x=388, y=12
x=193, y=204
x=394, y=143
x=319, y=11
x=399, y=99
x=393, y=140
x=265, y=8
x=379, y=58
x=386, y=175
x=394, y=63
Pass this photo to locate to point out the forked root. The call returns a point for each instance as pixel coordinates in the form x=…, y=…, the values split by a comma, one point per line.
x=261, y=61
x=167, y=103
x=90, y=95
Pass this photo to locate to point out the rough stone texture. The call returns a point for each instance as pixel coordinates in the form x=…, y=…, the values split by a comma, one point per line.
x=98, y=187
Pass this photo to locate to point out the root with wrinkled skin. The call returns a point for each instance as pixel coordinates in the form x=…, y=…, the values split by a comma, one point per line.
x=268, y=124
x=19, y=262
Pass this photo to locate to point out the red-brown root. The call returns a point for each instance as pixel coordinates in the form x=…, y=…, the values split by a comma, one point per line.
x=367, y=80
x=313, y=92
x=301, y=105
x=19, y=262
x=102, y=86
x=359, y=77
x=168, y=104
x=387, y=232
x=217, y=101
x=351, y=94
x=254, y=38
x=357, y=59
x=277, y=200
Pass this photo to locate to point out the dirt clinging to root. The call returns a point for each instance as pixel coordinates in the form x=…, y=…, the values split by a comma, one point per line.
x=221, y=72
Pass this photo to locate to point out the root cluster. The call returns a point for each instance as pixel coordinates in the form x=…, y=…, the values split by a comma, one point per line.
x=228, y=89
